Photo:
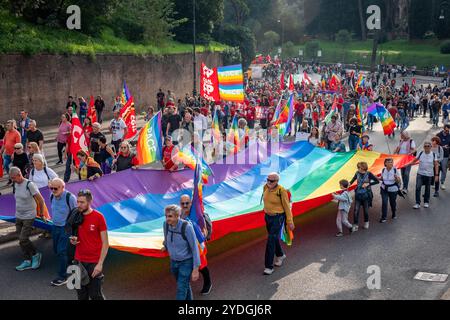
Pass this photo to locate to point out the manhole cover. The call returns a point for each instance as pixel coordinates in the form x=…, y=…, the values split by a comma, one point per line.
x=431, y=277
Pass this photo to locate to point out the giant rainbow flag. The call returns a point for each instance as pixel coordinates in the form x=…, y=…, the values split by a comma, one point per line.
x=133, y=201
x=231, y=83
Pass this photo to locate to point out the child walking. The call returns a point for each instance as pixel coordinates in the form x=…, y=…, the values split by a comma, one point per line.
x=345, y=202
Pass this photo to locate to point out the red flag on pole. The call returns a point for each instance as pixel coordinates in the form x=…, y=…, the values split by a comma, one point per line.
x=282, y=81
x=128, y=114
x=77, y=139
x=92, y=113
x=291, y=83
x=306, y=77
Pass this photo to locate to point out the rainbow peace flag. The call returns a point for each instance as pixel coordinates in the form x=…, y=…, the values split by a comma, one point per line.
x=233, y=134
x=386, y=119
x=125, y=96
x=188, y=156
x=231, y=83
x=372, y=109
x=286, y=235
x=149, y=143
x=285, y=117
x=197, y=208
x=359, y=115
x=216, y=135
x=361, y=81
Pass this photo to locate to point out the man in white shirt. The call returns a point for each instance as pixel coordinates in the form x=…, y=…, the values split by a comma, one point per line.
x=200, y=122
x=406, y=146
x=428, y=167
x=119, y=130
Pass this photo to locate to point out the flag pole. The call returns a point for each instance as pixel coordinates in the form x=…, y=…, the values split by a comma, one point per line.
x=387, y=142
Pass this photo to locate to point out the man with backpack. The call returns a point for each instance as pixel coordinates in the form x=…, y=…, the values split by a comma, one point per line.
x=29, y=205
x=181, y=244
x=428, y=168
x=186, y=204
x=62, y=202
x=277, y=211
x=390, y=186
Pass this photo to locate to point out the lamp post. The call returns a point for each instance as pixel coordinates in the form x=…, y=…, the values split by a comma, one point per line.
x=282, y=32
x=194, y=90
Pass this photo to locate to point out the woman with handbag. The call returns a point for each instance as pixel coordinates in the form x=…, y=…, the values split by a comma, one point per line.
x=363, y=193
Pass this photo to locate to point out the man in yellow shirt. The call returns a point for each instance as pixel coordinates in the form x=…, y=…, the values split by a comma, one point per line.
x=277, y=211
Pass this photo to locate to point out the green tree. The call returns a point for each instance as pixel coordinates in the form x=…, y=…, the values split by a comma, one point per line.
x=343, y=38
x=311, y=48
x=271, y=38
x=209, y=15
x=242, y=37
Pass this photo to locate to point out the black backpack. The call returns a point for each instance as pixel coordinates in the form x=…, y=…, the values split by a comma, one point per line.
x=183, y=230
x=68, y=194
x=45, y=170
x=74, y=220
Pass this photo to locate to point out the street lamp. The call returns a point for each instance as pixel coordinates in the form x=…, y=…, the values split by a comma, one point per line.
x=194, y=90
x=282, y=32
x=442, y=16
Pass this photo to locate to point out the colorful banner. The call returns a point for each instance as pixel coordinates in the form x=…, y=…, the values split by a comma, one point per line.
x=209, y=84
x=149, y=143
x=134, y=204
x=231, y=83
x=128, y=114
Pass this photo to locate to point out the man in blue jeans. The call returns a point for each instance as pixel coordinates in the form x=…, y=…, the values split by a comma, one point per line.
x=62, y=202
x=277, y=211
x=181, y=243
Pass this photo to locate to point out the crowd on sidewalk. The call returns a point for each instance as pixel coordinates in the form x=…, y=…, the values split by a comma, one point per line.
x=76, y=222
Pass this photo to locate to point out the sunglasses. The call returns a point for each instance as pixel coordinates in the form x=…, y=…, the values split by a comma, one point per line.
x=54, y=189
x=17, y=148
x=185, y=203
x=271, y=181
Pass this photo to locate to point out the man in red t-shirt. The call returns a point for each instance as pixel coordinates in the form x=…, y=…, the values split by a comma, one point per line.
x=91, y=241
x=169, y=151
x=250, y=115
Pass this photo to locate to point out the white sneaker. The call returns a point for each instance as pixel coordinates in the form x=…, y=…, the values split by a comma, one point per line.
x=355, y=228
x=443, y=186
x=416, y=206
x=366, y=225
x=279, y=261
x=426, y=205
x=268, y=272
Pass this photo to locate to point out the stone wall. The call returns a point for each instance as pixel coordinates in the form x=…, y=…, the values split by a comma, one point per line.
x=41, y=84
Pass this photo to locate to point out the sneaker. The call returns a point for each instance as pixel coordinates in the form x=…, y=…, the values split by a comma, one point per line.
x=443, y=186
x=9, y=182
x=350, y=230
x=25, y=265
x=416, y=206
x=36, y=261
x=436, y=195
x=394, y=217
x=58, y=163
x=339, y=234
x=383, y=221
x=279, y=260
x=268, y=272
x=426, y=205
x=355, y=228
x=405, y=192
x=366, y=225
x=58, y=282
x=206, y=289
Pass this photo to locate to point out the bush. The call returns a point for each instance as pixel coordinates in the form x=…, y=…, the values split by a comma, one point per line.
x=288, y=49
x=311, y=48
x=430, y=35
x=231, y=56
x=445, y=47
x=343, y=37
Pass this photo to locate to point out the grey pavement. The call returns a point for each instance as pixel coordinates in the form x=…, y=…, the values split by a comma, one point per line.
x=319, y=266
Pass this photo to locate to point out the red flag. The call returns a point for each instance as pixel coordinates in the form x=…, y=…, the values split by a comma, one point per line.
x=128, y=114
x=291, y=83
x=282, y=81
x=209, y=84
x=92, y=113
x=77, y=138
x=306, y=77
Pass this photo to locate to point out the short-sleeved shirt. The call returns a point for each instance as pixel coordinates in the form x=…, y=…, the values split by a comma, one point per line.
x=118, y=129
x=10, y=139
x=90, y=246
x=174, y=120
x=406, y=146
x=35, y=136
x=60, y=210
x=25, y=203
x=426, y=165
x=39, y=177
x=62, y=135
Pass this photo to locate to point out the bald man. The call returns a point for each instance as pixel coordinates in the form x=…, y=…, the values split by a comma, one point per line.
x=277, y=211
x=186, y=204
x=62, y=202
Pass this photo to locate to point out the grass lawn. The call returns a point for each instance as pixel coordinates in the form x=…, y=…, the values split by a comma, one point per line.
x=18, y=36
x=423, y=54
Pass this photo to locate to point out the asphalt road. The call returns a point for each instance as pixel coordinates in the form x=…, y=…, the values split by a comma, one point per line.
x=319, y=266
